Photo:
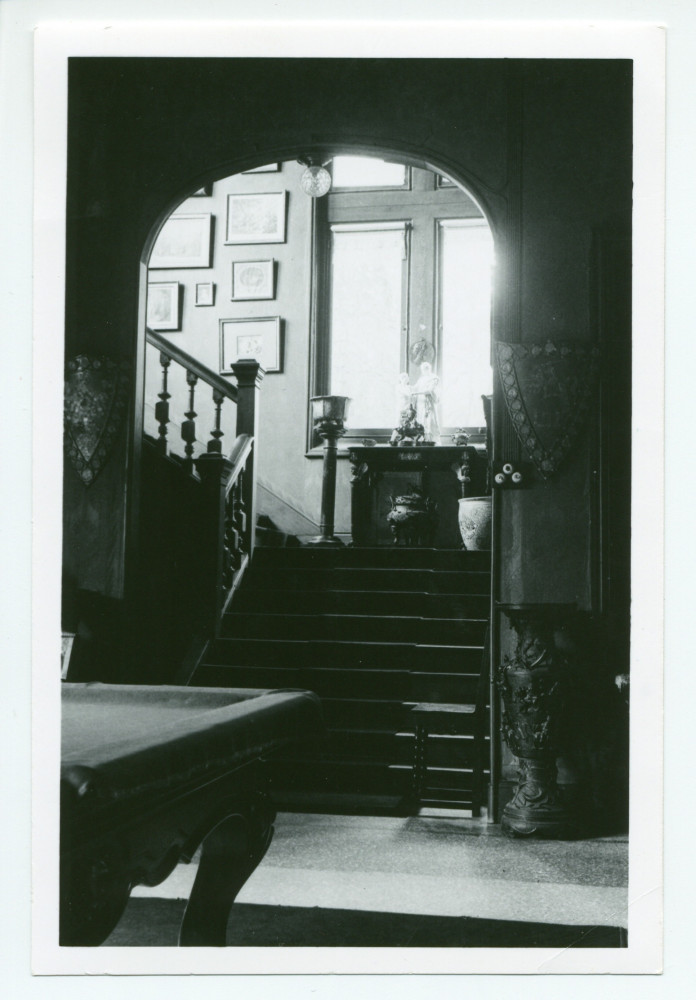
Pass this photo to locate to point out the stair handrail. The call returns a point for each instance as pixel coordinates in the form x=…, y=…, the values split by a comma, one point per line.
x=231, y=486
x=225, y=524
x=191, y=364
x=238, y=455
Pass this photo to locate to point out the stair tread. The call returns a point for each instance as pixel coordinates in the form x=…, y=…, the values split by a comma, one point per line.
x=330, y=615
x=354, y=642
x=465, y=675
x=295, y=591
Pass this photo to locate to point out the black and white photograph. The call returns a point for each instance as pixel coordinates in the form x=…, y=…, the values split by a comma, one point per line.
x=353, y=682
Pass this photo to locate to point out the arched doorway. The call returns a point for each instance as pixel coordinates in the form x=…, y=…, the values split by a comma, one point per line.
x=272, y=262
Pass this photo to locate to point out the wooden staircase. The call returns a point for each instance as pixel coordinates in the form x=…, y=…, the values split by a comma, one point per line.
x=373, y=631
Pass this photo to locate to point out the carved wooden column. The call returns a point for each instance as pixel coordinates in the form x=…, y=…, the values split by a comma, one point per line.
x=533, y=684
x=215, y=471
x=328, y=414
x=249, y=375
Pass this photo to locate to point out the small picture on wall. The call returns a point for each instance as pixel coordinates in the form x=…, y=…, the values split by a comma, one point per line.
x=205, y=293
x=269, y=168
x=256, y=218
x=163, y=305
x=253, y=279
x=257, y=338
x=185, y=241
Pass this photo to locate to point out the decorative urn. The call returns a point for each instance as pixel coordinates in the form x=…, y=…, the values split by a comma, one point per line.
x=475, y=523
x=413, y=519
x=329, y=414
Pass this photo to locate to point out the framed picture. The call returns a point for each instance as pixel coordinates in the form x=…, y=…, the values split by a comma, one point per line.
x=256, y=218
x=185, y=241
x=270, y=168
x=253, y=279
x=258, y=338
x=205, y=293
x=163, y=305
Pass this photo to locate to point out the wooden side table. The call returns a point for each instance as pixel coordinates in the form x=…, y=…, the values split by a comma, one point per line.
x=382, y=471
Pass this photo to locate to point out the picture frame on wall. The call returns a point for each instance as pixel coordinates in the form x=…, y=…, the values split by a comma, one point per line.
x=257, y=337
x=205, y=293
x=268, y=168
x=256, y=218
x=184, y=241
x=163, y=305
x=253, y=279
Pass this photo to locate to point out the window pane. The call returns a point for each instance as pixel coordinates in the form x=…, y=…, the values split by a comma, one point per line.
x=366, y=171
x=466, y=266
x=366, y=302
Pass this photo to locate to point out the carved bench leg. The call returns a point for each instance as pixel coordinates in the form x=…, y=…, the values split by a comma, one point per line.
x=230, y=854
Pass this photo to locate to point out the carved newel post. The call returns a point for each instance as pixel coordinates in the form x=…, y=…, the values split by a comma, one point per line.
x=328, y=415
x=533, y=685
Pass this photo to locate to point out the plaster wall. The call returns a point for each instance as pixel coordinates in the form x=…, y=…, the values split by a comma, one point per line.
x=282, y=467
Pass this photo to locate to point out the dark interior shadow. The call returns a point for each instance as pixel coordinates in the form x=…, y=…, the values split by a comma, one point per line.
x=155, y=923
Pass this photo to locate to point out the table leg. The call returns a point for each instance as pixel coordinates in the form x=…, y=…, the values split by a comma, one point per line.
x=230, y=853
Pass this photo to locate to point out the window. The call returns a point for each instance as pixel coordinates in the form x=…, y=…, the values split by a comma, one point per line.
x=465, y=266
x=369, y=272
x=367, y=172
x=402, y=276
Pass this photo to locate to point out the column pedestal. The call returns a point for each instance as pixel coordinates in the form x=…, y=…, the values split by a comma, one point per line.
x=329, y=414
x=533, y=685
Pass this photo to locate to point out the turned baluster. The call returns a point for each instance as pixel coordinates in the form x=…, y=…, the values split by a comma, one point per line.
x=188, y=427
x=215, y=444
x=162, y=407
x=239, y=518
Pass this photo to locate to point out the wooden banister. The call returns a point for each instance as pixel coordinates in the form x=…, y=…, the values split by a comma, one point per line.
x=228, y=529
x=192, y=365
x=240, y=449
x=211, y=501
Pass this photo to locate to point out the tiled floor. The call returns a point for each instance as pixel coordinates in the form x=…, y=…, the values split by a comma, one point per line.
x=436, y=866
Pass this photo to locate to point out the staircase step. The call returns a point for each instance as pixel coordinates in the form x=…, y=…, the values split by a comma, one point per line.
x=332, y=601
x=365, y=777
x=426, y=581
x=382, y=557
x=387, y=628
x=346, y=655
x=398, y=748
x=339, y=803
x=373, y=631
x=444, y=781
x=331, y=777
x=328, y=682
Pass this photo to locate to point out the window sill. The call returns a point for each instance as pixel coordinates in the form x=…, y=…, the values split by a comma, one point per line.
x=341, y=452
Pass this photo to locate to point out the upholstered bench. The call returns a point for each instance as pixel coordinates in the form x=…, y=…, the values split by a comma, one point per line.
x=150, y=773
